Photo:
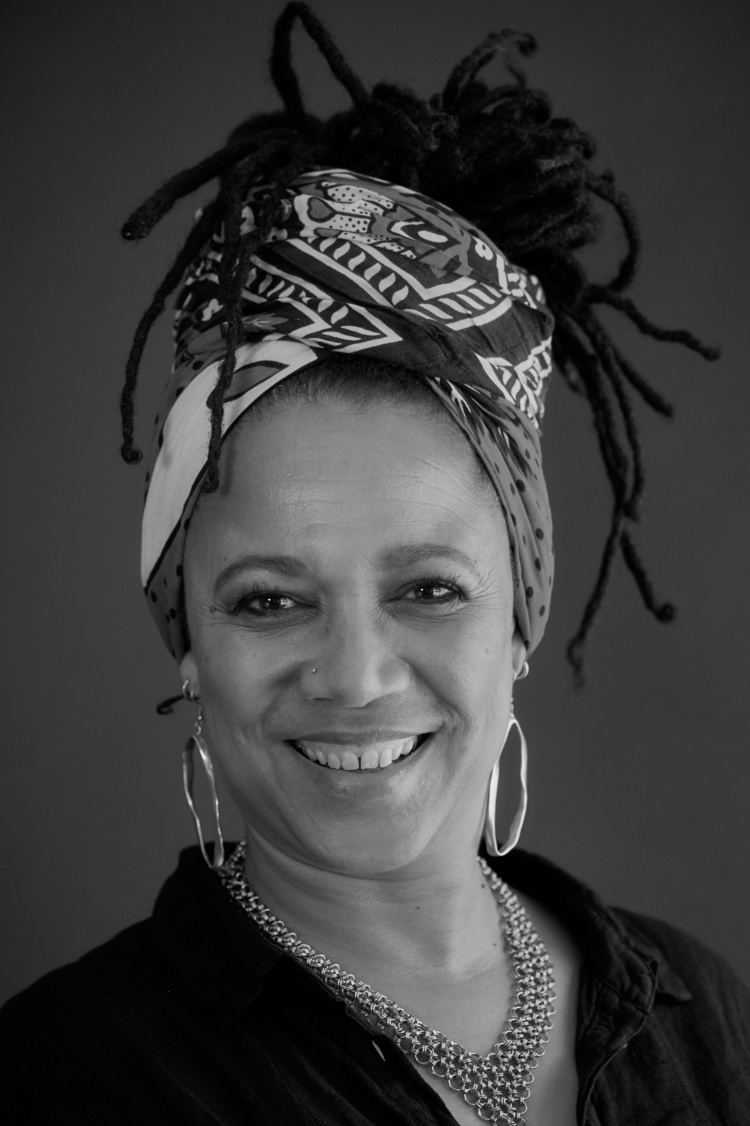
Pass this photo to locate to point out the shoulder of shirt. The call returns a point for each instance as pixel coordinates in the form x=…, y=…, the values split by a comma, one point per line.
x=120, y=964
x=719, y=999
x=710, y=979
x=110, y=974
x=193, y=953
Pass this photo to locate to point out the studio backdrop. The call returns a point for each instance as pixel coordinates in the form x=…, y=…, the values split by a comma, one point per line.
x=639, y=784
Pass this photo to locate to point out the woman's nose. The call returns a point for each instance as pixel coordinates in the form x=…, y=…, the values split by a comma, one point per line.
x=356, y=662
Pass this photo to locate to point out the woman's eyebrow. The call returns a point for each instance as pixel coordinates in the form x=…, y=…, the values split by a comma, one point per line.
x=406, y=555
x=287, y=565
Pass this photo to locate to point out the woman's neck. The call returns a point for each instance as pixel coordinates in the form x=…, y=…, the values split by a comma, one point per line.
x=433, y=919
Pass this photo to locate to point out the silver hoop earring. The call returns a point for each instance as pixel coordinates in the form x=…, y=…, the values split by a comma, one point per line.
x=490, y=835
x=197, y=740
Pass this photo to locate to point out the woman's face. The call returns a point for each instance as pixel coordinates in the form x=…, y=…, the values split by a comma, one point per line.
x=348, y=592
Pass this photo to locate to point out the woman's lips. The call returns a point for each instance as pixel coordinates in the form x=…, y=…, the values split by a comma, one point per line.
x=359, y=756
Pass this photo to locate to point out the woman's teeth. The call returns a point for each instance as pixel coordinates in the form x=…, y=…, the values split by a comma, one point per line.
x=375, y=756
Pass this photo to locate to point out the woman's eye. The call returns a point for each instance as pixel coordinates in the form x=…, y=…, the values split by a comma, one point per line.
x=431, y=592
x=265, y=603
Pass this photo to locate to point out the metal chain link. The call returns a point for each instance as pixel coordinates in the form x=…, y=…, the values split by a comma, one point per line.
x=497, y=1085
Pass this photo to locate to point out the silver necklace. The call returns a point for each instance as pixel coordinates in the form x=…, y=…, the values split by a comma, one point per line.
x=497, y=1085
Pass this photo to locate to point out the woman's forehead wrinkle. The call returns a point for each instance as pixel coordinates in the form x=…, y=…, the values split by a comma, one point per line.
x=370, y=474
x=446, y=518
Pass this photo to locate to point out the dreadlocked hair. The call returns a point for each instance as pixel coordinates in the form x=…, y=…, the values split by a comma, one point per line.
x=497, y=156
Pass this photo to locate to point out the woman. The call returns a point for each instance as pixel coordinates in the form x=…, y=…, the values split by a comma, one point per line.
x=351, y=575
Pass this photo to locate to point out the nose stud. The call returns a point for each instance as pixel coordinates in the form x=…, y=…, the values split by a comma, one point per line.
x=313, y=670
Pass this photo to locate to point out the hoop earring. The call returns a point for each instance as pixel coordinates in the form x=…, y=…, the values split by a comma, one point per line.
x=490, y=835
x=197, y=740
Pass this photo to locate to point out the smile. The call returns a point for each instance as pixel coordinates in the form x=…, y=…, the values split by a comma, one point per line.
x=359, y=757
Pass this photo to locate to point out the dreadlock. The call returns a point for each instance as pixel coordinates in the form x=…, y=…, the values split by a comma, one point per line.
x=497, y=156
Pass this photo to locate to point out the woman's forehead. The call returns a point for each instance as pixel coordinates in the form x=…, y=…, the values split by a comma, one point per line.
x=301, y=443
x=329, y=475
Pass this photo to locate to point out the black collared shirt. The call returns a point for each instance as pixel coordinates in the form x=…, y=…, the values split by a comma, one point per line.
x=193, y=1017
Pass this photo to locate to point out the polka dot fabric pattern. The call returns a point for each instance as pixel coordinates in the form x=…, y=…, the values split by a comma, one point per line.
x=358, y=265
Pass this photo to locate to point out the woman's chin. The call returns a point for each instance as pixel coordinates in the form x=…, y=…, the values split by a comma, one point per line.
x=366, y=854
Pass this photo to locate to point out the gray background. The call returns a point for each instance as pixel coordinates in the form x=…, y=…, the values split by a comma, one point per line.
x=641, y=785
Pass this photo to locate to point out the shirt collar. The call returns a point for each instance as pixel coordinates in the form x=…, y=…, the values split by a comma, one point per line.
x=224, y=962
x=616, y=951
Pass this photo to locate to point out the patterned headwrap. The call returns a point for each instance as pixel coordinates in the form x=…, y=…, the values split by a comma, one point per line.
x=365, y=267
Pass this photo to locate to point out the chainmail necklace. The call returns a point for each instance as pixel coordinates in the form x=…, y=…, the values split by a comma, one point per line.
x=496, y=1085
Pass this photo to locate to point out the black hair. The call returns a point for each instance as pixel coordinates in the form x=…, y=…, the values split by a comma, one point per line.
x=497, y=156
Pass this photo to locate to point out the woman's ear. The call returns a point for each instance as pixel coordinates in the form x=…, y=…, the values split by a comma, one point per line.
x=189, y=672
x=519, y=650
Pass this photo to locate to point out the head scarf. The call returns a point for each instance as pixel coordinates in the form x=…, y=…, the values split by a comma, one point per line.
x=362, y=266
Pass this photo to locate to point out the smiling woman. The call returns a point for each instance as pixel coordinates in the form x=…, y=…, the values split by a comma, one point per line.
x=347, y=548
x=352, y=541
